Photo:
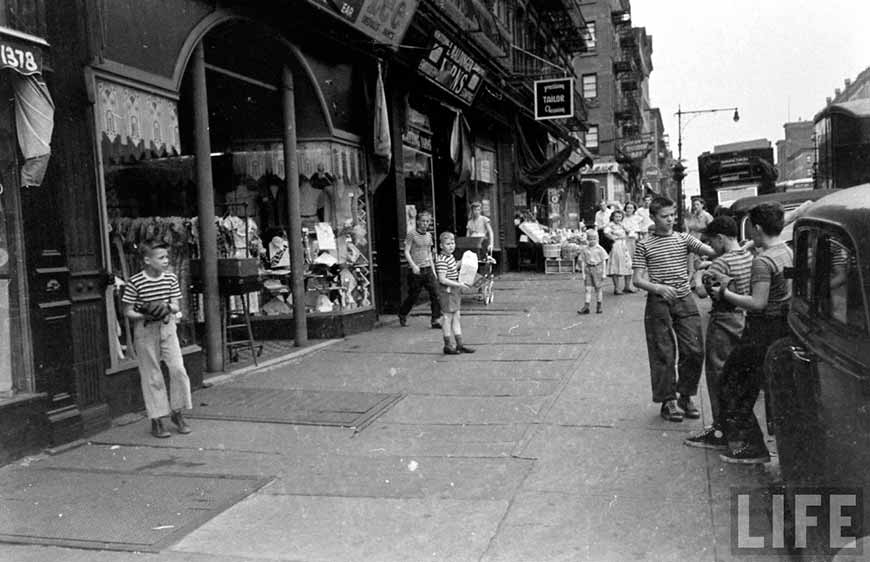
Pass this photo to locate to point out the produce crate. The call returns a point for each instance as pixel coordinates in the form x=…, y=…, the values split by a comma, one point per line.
x=558, y=265
x=552, y=250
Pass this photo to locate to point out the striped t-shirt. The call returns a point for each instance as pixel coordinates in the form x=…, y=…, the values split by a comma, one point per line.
x=420, y=247
x=141, y=288
x=736, y=264
x=446, y=264
x=665, y=257
x=767, y=267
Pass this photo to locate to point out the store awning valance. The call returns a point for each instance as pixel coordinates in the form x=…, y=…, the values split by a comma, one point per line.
x=34, y=109
x=536, y=171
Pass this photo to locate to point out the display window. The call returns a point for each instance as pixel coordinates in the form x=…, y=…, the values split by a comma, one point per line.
x=484, y=189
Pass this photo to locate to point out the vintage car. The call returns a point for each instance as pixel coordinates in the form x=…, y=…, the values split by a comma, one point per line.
x=818, y=380
x=790, y=201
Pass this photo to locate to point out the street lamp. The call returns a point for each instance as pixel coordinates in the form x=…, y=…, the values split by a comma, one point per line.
x=679, y=169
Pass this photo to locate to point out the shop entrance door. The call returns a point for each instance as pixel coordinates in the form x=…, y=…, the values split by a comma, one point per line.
x=50, y=309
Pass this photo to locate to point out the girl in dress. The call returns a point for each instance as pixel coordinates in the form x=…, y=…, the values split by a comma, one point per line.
x=619, y=264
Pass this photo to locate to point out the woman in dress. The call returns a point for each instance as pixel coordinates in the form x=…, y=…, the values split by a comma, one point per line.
x=633, y=223
x=619, y=264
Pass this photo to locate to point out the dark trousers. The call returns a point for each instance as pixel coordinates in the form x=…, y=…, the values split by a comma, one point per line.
x=416, y=283
x=743, y=378
x=673, y=329
x=723, y=335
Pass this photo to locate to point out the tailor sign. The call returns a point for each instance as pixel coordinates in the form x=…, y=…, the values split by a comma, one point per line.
x=385, y=21
x=554, y=99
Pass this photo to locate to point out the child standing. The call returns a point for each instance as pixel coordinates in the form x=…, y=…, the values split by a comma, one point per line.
x=725, y=323
x=661, y=269
x=151, y=301
x=592, y=259
x=450, y=295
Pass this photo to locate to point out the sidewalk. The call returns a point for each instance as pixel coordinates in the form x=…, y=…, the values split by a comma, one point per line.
x=543, y=445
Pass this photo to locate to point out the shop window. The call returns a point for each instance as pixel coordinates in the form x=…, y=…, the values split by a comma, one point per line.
x=483, y=190
x=590, y=86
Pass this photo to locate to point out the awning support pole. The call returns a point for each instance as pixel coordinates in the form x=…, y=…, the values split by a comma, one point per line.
x=294, y=236
x=214, y=361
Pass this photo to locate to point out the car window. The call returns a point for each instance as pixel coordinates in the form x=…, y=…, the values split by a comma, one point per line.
x=805, y=264
x=838, y=286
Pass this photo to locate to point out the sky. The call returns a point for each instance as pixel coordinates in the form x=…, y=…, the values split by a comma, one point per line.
x=775, y=60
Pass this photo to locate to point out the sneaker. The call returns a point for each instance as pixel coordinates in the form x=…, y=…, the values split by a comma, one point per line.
x=710, y=438
x=436, y=325
x=687, y=405
x=450, y=350
x=180, y=422
x=746, y=454
x=403, y=320
x=465, y=349
x=670, y=411
x=584, y=310
x=157, y=429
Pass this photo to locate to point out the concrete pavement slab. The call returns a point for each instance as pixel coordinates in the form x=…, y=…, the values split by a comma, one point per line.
x=38, y=553
x=458, y=440
x=567, y=527
x=331, y=529
x=624, y=462
x=465, y=410
x=111, y=510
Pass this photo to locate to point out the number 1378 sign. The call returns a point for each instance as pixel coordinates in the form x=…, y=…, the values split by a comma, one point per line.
x=20, y=57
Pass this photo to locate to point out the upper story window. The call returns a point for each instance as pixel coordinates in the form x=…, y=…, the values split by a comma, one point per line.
x=592, y=137
x=590, y=86
x=591, y=36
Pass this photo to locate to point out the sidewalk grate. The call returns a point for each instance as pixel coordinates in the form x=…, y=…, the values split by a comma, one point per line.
x=112, y=510
x=301, y=407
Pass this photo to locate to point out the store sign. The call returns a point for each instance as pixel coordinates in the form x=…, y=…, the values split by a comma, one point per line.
x=20, y=56
x=636, y=149
x=385, y=21
x=554, y=99
x=452, y=69
x=416, y=138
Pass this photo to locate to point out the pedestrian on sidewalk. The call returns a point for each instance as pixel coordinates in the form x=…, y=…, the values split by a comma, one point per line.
x=660, y=268
x=766, y=308
x=151, y=301
x=418, y=252
x=593, y=260
x=450, y=295
x=619, y=262
x=726, y=321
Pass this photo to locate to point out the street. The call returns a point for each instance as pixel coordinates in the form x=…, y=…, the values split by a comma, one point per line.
x=543, y=445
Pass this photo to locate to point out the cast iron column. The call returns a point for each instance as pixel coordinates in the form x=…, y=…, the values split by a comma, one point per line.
x=214, y=360
x=294, y=240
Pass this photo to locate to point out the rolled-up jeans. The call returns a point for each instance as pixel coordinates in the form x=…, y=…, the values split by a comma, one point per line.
x=723, y=334
x=673, y=329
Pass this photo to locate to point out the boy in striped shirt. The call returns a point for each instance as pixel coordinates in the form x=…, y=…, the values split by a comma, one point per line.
x=726, y=321
x=450, y=295
x=155, y=339
x=661, y=269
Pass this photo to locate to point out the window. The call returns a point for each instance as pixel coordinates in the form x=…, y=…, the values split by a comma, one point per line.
x=838, y=284
x=590, y=86
x=592, y=137
x=591, y=36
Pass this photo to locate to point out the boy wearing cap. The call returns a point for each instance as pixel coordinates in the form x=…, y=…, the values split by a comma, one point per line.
x=726, y=321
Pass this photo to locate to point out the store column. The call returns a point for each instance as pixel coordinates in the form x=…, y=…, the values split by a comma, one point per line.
x=214, y=361
x=291, y=174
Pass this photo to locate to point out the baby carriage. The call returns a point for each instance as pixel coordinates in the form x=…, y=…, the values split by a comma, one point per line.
x=483, y=283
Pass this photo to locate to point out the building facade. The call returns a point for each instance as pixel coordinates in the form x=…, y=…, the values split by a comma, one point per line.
x=796, y=153
x=302, y=147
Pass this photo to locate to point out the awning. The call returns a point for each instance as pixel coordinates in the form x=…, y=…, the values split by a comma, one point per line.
x=536, y=171
x=34, y=108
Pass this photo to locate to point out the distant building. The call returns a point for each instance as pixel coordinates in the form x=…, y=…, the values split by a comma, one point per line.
x=795, y=155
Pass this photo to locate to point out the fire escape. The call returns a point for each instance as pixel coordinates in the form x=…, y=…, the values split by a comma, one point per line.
x=627, y=71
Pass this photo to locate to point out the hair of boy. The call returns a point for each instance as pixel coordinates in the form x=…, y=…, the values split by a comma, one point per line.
x=422, y=214
x=477, y=204
x=147, y=248
x=724, y=225
x=769, y=217
x=445, y=236
x=591, y=233
x=659, y=203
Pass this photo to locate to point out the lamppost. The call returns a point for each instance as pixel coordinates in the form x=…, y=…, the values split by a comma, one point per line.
x=679, y=171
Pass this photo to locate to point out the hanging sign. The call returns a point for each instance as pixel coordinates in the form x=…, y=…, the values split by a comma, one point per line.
x=554, y=99
x=19, y=55
x=452, y=69
x=385, y=21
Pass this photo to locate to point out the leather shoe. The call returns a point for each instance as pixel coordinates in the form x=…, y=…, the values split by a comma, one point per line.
x=687, y=405
x=450, y=350
x=465, y=349
x=436, y=325
x=157, y=429
x=180, y=422
x=403, y=320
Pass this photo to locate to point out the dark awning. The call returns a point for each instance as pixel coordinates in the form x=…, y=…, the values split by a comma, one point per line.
x=536, y=171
